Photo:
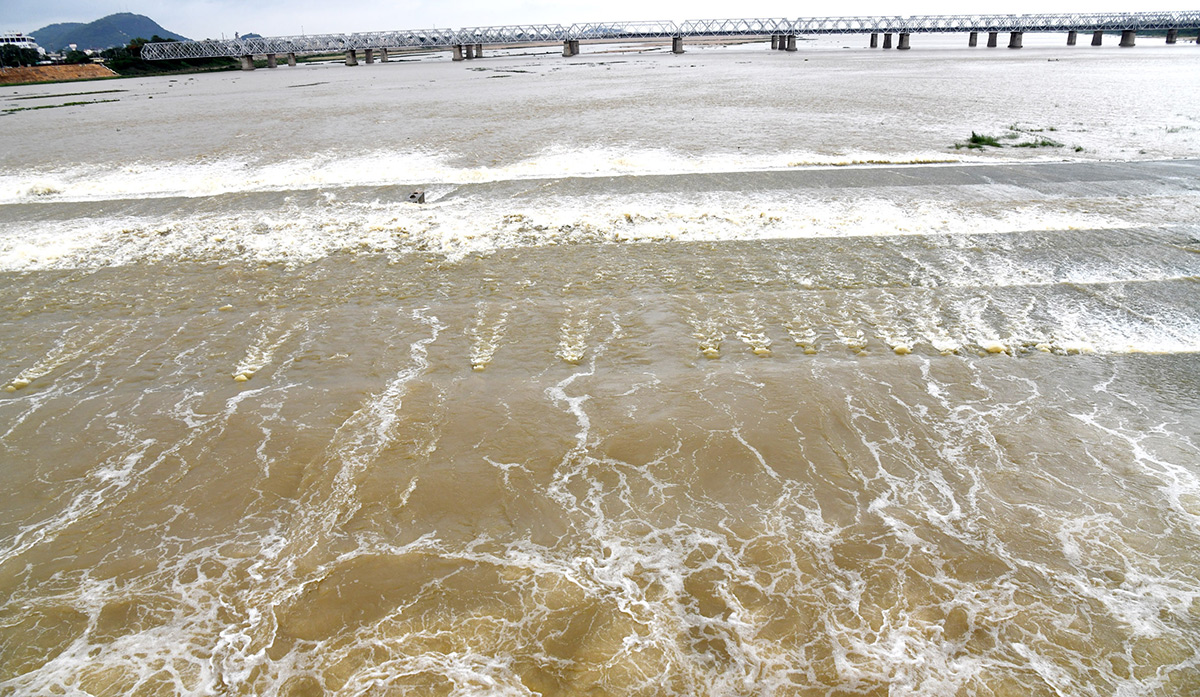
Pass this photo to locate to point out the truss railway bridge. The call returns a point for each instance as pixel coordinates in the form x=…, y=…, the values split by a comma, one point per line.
x=468, y=43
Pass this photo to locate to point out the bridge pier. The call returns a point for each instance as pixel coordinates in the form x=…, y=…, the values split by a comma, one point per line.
x=457, y=52
x=247, y=62
x=1071, y=37
x=992, y=38
x=574, y=47
x=903, y=45
x=887, y=40
x=1015, y=38
x=370, y=53
x=1172, y=35
x=791, y=43
x=479, y=50
x=351, y=57
x=469, y=51
x=774, y=42
x=383, y=55
x=676, y=44
x=271, y=62
x=1128, y=38
x=874, y=40
x=1097, y=38
x=974, y=40
x=291, y=60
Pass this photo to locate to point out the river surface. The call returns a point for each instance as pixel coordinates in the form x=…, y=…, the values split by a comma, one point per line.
x=711, y=375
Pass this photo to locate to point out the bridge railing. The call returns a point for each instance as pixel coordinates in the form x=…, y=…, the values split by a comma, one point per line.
x=624, y=30
x=734, y=27
x=536, y=33
x=512, y=34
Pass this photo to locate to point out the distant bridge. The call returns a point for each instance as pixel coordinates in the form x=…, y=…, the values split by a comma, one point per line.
x=469, y=42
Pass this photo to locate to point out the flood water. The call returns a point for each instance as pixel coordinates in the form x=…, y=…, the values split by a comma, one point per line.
x=716, y=374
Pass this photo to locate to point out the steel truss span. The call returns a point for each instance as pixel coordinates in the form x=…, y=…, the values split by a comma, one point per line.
x=601, y=31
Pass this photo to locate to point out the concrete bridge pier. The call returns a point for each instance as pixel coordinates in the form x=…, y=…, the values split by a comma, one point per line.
x=774, y=42
x=1015, y=38
x=993, y=37
x=370, y=53
x=1071, y=37
x=887, y=40
x=574, y=47
x=1172, y=35
x=1128, y=38
x=457, y=52
x=676, y=44
x=469, y=51
x=903, y=45
x=247, y=62
x=291, y=60
x=271, y=62
x=383, y=55
x=974, y=40
x=352, y=57
x=791, y=43
x=875, y=41
x=1097, y=38
x=479, y=50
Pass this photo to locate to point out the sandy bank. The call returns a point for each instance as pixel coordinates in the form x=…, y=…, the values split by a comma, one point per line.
x=53, y=73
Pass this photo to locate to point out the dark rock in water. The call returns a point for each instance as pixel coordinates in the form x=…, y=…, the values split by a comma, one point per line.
x=416, y=197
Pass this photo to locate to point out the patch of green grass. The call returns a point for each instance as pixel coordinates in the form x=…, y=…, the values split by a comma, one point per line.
x=65, y=94
x=55, y=106
x=1039, y=143
x=980, y=139
x=977, y=141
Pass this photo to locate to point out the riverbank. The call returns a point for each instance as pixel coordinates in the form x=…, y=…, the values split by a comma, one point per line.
x=54, y=73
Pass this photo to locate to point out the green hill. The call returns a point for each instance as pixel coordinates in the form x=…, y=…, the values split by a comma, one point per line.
x=113, y=30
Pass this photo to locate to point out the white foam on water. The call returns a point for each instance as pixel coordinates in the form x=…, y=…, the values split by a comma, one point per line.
x=486, y=335
x=262, y=351
x=457, y=228
x=103, y=487
x=361, y=438
x=334, y=170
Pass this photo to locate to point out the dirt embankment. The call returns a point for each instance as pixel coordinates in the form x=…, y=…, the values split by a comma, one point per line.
x=53, y=73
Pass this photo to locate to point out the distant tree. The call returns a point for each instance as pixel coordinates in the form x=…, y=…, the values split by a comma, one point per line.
x=13, y=56
x=124, y=57
x=135, y=47
x=76, y=58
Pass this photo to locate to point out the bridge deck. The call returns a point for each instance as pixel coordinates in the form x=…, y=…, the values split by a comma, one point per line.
x=546, y=33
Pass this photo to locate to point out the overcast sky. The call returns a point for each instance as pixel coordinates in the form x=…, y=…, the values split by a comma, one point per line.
x=199, y=19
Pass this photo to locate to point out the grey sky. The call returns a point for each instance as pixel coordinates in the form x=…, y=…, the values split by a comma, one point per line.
x=200, y=19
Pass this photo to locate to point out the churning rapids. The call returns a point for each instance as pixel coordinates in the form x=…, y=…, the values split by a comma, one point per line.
x=649, y=399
